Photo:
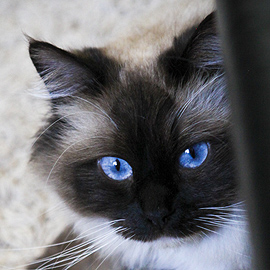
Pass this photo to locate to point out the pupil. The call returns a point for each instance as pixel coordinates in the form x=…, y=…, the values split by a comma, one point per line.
x=192, y=152
x=116, y=164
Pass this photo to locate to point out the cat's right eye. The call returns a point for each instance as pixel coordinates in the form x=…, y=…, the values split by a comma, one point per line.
x=194, y=156
x=115, y=168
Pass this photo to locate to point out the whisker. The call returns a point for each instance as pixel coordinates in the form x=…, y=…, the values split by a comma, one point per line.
x=105, y=224
x=87, y=254
x=70, y=251
x=73, y=250
x=228, y=207
x=55, y=163
x=228, y=217
x=83, y=237
x=99, y=108
x=236, y=228
x=127, y=239
x=213, y=222
x=191, y=99
x=79, y=237
x=64, y=258
x=58, y=120
x=209, y=230
x=204, y=234
x=223, y=221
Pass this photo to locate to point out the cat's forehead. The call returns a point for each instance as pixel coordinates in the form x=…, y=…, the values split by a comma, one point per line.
x=147, y=93
x=138, y=108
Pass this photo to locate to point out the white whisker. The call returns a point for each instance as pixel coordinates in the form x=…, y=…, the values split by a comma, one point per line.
x=64, y=257
x=96, y=244
x=55, y=163
x=127, y=239
x=61, y=118
x=76, y=254
x=228, y=207
x=191, y=99
x=99, y=108
x=206, y=229
x=79, y=237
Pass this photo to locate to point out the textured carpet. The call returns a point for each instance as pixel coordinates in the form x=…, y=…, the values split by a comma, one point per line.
x=31, y=215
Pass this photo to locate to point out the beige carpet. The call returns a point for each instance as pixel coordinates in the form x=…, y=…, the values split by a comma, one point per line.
x=30, y=213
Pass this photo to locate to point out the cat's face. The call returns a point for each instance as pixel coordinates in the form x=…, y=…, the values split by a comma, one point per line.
x=148, y=148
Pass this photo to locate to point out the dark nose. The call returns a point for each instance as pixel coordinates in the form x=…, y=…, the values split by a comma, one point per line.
x=158, y=218
x=157, y=200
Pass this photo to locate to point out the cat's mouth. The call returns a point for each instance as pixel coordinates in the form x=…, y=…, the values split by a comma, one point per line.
x=147, y=231
x=172, y=242
x=174, y=228
x=163, y=238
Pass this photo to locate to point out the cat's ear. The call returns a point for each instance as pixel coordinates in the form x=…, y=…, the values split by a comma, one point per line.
x=65, y=73
x=201, y=51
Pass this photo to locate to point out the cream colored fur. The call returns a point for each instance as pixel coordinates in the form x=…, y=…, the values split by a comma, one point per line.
x=31, y=215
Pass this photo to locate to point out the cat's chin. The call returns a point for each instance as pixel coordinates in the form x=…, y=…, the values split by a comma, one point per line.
x=101, y=229
x=218, y=251
x=165, y=242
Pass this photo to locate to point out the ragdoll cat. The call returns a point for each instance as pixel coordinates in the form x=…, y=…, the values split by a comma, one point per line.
x=143, y=156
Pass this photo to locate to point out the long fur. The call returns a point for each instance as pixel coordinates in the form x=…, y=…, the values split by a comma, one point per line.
x=147, y=113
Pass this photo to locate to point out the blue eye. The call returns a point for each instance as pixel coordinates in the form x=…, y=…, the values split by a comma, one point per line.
x=194, y=156
x=115, y=168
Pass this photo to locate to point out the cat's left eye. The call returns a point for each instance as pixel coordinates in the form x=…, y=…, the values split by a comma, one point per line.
x=194, y=156
x=115, y=168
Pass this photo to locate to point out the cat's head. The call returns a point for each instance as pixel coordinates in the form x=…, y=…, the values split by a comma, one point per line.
x=147, y=146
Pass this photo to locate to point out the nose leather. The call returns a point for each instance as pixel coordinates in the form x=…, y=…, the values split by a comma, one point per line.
x=158, y=218
x=157, y=203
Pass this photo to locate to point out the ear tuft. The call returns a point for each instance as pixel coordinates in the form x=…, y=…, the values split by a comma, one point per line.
x=204, y=48
x=201, y=53
x=60, y=70
x=65, y=73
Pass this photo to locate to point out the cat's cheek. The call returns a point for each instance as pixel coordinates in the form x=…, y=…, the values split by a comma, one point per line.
x=213, y=183
x=86, y=190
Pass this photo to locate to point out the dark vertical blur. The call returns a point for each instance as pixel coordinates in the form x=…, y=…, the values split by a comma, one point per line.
x=245, y=31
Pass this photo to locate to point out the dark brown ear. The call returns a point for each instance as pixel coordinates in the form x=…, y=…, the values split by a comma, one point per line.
x=201, y=53
x=204, y=48
x=65, y=73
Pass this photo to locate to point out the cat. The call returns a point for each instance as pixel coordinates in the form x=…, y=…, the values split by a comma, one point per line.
x=143, y=156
